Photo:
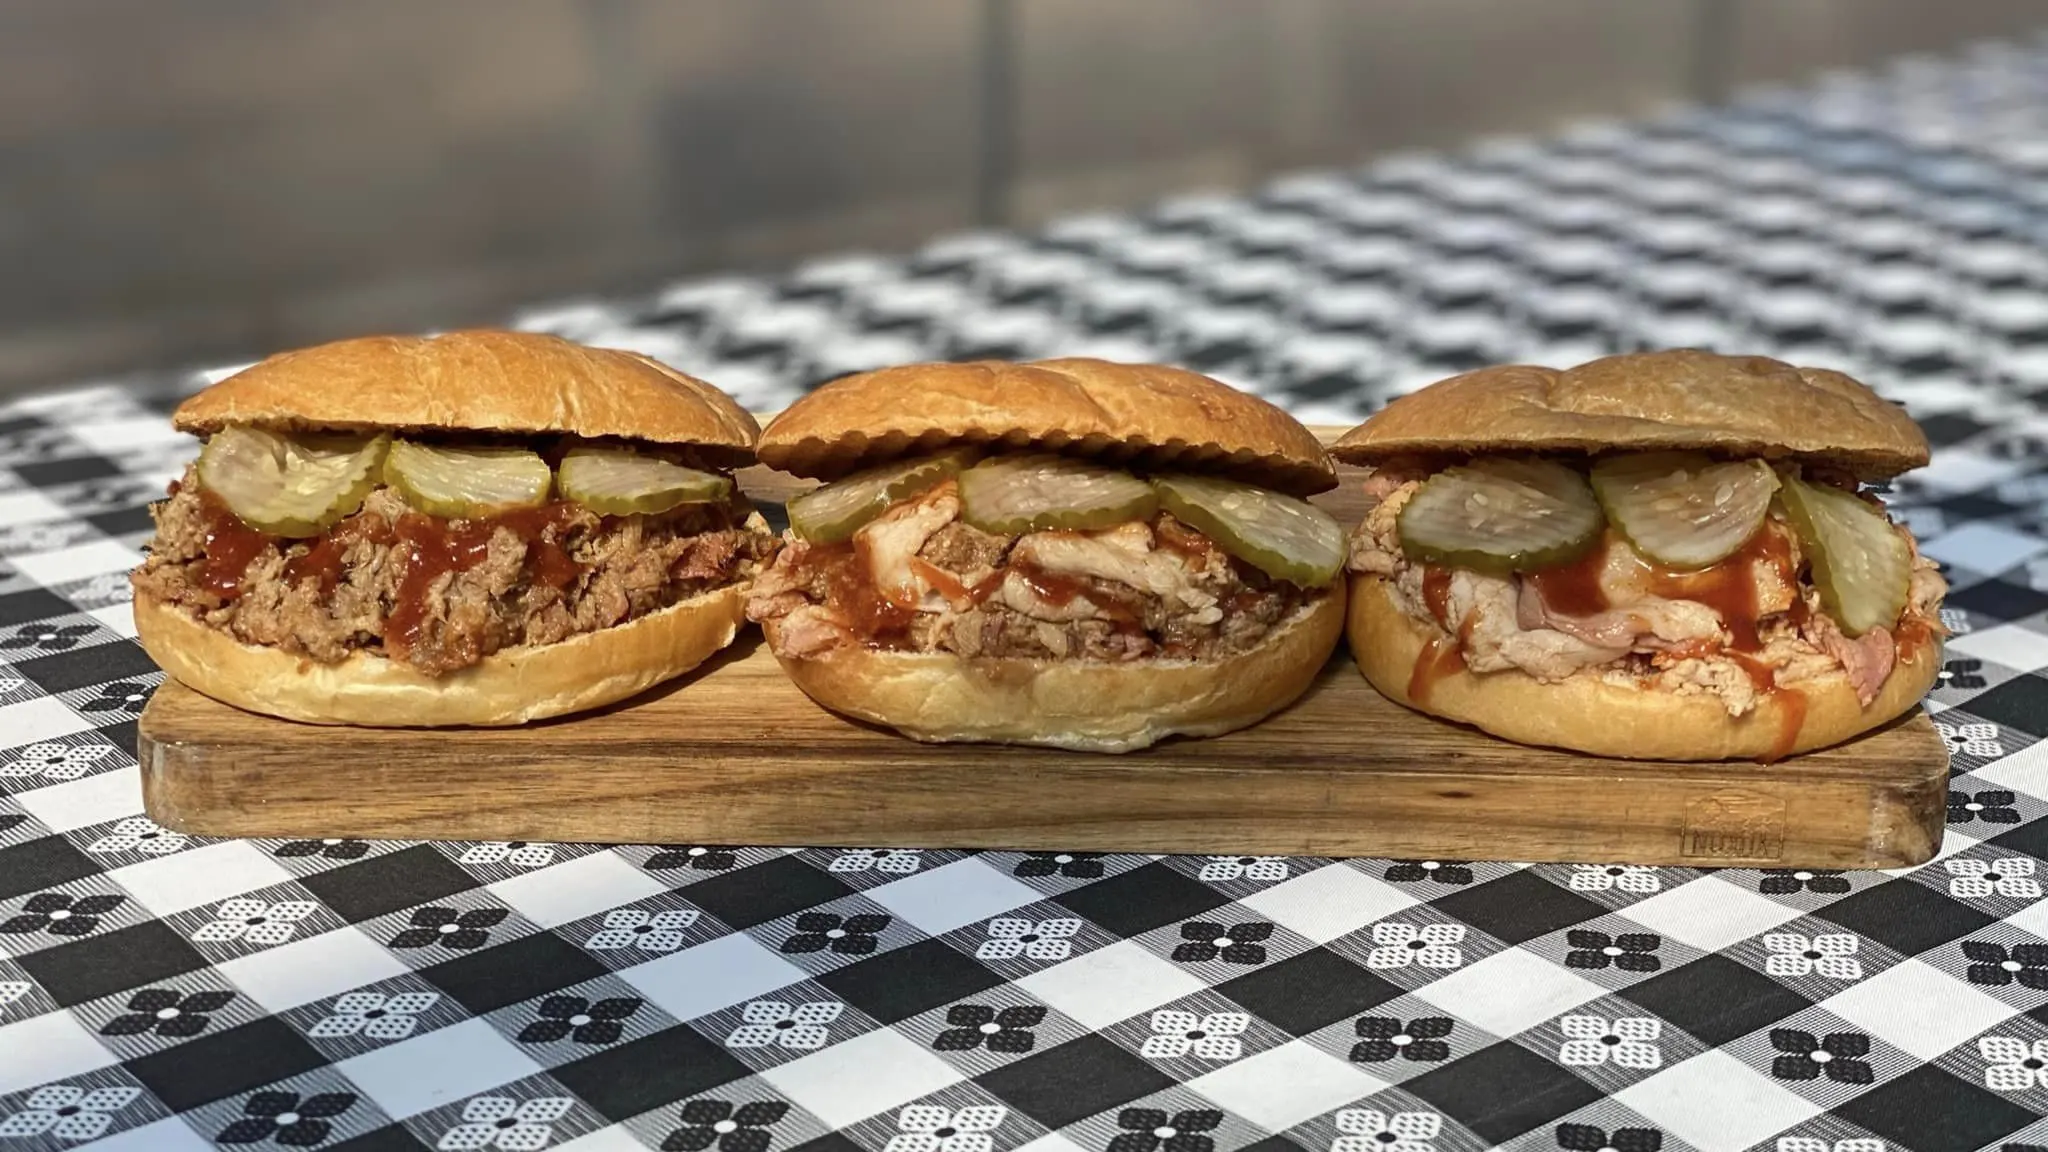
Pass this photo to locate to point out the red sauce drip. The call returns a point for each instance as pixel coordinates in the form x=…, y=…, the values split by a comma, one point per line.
x=1436, y=593
x=986, y=587
x=428, y=548
x=1728, y=587
x=176, y=487
x=943, y=582
x=1762, y=675
x=1574, y=589
x=547, y=562
x=324, y=559
x=1060, y=590
x=1184, y=542
x=1912, y=633
x=852, y=593
x=231, y=546
x=1789, y=724
x=1441, y=657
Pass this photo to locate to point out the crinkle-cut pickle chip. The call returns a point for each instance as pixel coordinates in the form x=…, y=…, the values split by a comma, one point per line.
x=1501, y=515
x=621, y=482
x=1861, y=564
x=461, y=483
x=1011, y=495
x=290, y=485
x=833, y=512
x=1284, y=537
x=1683, y=509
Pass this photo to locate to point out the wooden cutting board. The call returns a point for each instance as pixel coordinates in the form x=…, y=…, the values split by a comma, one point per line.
x=733, y=754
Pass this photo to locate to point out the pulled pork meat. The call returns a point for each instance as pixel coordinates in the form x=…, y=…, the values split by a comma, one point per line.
x=917, y=578
x=1735, y=631
x=438, y=595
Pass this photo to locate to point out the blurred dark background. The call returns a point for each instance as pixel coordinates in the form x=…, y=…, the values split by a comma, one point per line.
x=188, y=180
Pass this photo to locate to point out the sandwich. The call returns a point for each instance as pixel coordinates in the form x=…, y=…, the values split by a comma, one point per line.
x=477, y=528
x=1068, y=553
x=1667, y=555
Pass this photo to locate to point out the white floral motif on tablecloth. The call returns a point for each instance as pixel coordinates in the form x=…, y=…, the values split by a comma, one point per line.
x=895, y=861
x=56, y=761
x=68, y=1111
x=257, y=921
x=531, y=1127
x=376, y=1015
x=1973, y=879
x=1831, y=954
x=1264, y=868
x=638, y=928
x=1397, y=945
x=2012, y=1064
x=139, y=834
x=1628, y=1041
x=519, y=852
x=1011, y=937
x=1979, y=740
x=1213, y=1036
x=937, y=1128
x=772, y=1022
x=1627, y=877
x=1371, y=1130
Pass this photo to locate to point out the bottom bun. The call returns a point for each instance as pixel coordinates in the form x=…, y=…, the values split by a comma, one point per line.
x=1584, y=714
x=510, y=686
x=1080, y=705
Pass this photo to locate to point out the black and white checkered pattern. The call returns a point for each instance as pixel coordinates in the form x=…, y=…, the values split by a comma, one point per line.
x=167, y=992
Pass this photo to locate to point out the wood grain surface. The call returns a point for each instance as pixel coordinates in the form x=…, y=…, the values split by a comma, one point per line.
x=734, y=754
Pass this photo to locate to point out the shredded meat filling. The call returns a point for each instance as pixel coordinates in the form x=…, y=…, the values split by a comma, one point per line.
x=918, y=578
x=436, y=594
x=1735, y=631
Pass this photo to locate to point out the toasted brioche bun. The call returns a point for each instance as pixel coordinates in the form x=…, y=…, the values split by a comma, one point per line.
x=1144, y=415
x=1080, y=705
x=1584, y=714
x=1738, y=405
x=511, y=686
x=476, y=381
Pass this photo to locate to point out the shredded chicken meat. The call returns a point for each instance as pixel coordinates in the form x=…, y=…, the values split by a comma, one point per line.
x=918, y=578
x=438, y=595
x=1757, y=621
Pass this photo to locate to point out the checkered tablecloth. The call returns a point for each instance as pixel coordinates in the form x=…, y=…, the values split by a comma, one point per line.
x=166, y=992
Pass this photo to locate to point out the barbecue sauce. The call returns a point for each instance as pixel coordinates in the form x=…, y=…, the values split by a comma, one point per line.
x=1436, y=594
x=1443, y=656
x=231, y=546
x=326, y=558
x=1728, y=587
x=851, y=592
x=431, y=548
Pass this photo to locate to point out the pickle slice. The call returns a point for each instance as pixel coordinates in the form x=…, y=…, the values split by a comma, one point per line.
x=1501, y=515
x=1684, y=509
x=458, y=483
x=1860, y=563
x=1286, y=538
x=294, y=486
x=835, y=511
x=618, y=482
x=1010, y=495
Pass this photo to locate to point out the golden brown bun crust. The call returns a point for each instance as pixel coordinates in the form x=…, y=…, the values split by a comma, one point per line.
x=1146, y=415
x=1587, y=715
x=1084, y=706
x=480, y=381
x=1741, y=405
x=511, y=686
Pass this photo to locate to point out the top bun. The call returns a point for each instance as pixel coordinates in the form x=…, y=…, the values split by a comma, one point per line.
x=1736, y=405
x=1145, y=415
x=476, y=381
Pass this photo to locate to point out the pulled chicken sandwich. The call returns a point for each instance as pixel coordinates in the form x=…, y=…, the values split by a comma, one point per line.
x=477, y=528
x=1072, y=553
x=1668, y=555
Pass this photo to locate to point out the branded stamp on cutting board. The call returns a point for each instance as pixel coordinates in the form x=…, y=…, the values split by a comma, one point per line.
x=733, y=753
